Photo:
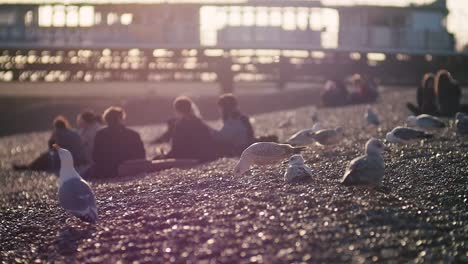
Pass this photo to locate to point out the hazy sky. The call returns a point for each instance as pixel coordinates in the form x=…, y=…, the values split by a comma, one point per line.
x=456, y=21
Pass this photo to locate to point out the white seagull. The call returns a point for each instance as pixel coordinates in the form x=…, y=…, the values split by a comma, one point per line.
x=75, y=195
x=328, y=136
x=304, y=137
x=264, y=153
x=404, y=135
x=366, y=170
x=425, y=122
x=297, y=170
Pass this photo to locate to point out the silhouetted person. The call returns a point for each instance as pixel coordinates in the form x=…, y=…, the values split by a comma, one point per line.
x=191, y=138
x=66, y=138
x=448, y=93
x=425, y=97
x=167, y=135
x=334, y=93
x=236, y=133
x=114, y=145
x=439, y=95
x=88, y=125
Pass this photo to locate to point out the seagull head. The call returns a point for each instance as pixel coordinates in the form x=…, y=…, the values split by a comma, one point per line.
x=459, y=116
x=242, y=167
x=390, y=137
x=66, y=158
x=374, y=146
x=296, y=159
x=411, y=120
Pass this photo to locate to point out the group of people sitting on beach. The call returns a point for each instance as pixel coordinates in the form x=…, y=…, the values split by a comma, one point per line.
x=100, y=146
x=360, y=90
x=438, y=94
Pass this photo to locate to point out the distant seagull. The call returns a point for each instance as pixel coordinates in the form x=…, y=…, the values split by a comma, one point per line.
x=404, y=135
x=425, y=122
x=326, y=137
x=75, y=194
x=366, y=170
x=264, y=153
x=297, y=170
x=372, y=117
x=461, y=123
x=288, y=122
x=304, y=137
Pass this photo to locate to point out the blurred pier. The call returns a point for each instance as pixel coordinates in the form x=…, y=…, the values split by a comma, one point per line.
x=257, y=40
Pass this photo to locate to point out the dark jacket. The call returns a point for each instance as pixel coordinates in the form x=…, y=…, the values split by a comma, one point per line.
x=70, y=140
x=448, y=97
x=191, y=139
x=114, y=145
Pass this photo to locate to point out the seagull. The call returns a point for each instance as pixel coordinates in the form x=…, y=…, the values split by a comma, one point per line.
x=372, y=117
x=405, y=134
x=425, y=122
x=304, y=137
x=366, y=170
x=75, y=194
x=461, y=123
x=264, y=153
x=328, y=136
x=297, y=170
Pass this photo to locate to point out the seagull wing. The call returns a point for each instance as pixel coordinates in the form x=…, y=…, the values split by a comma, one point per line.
x=406, y=133
x=76, y=197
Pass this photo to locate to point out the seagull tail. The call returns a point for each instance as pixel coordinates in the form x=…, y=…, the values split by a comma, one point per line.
x=298, y=150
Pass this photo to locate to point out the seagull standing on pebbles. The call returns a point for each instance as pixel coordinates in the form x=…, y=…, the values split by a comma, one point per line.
x=75, y=194
x=297, y=170
x=461, y=123
x=366, y=170
x=425, y=122
x=328, y=136
x=264, y=153
x=404, y=135
x=304, y=137
x=372, y=117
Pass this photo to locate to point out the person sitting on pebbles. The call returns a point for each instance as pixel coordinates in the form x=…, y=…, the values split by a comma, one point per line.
x=438, y=95
x=88, y=125
x=62, y=135
x=236, y=133
x=191, y=137
x=114, y=145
